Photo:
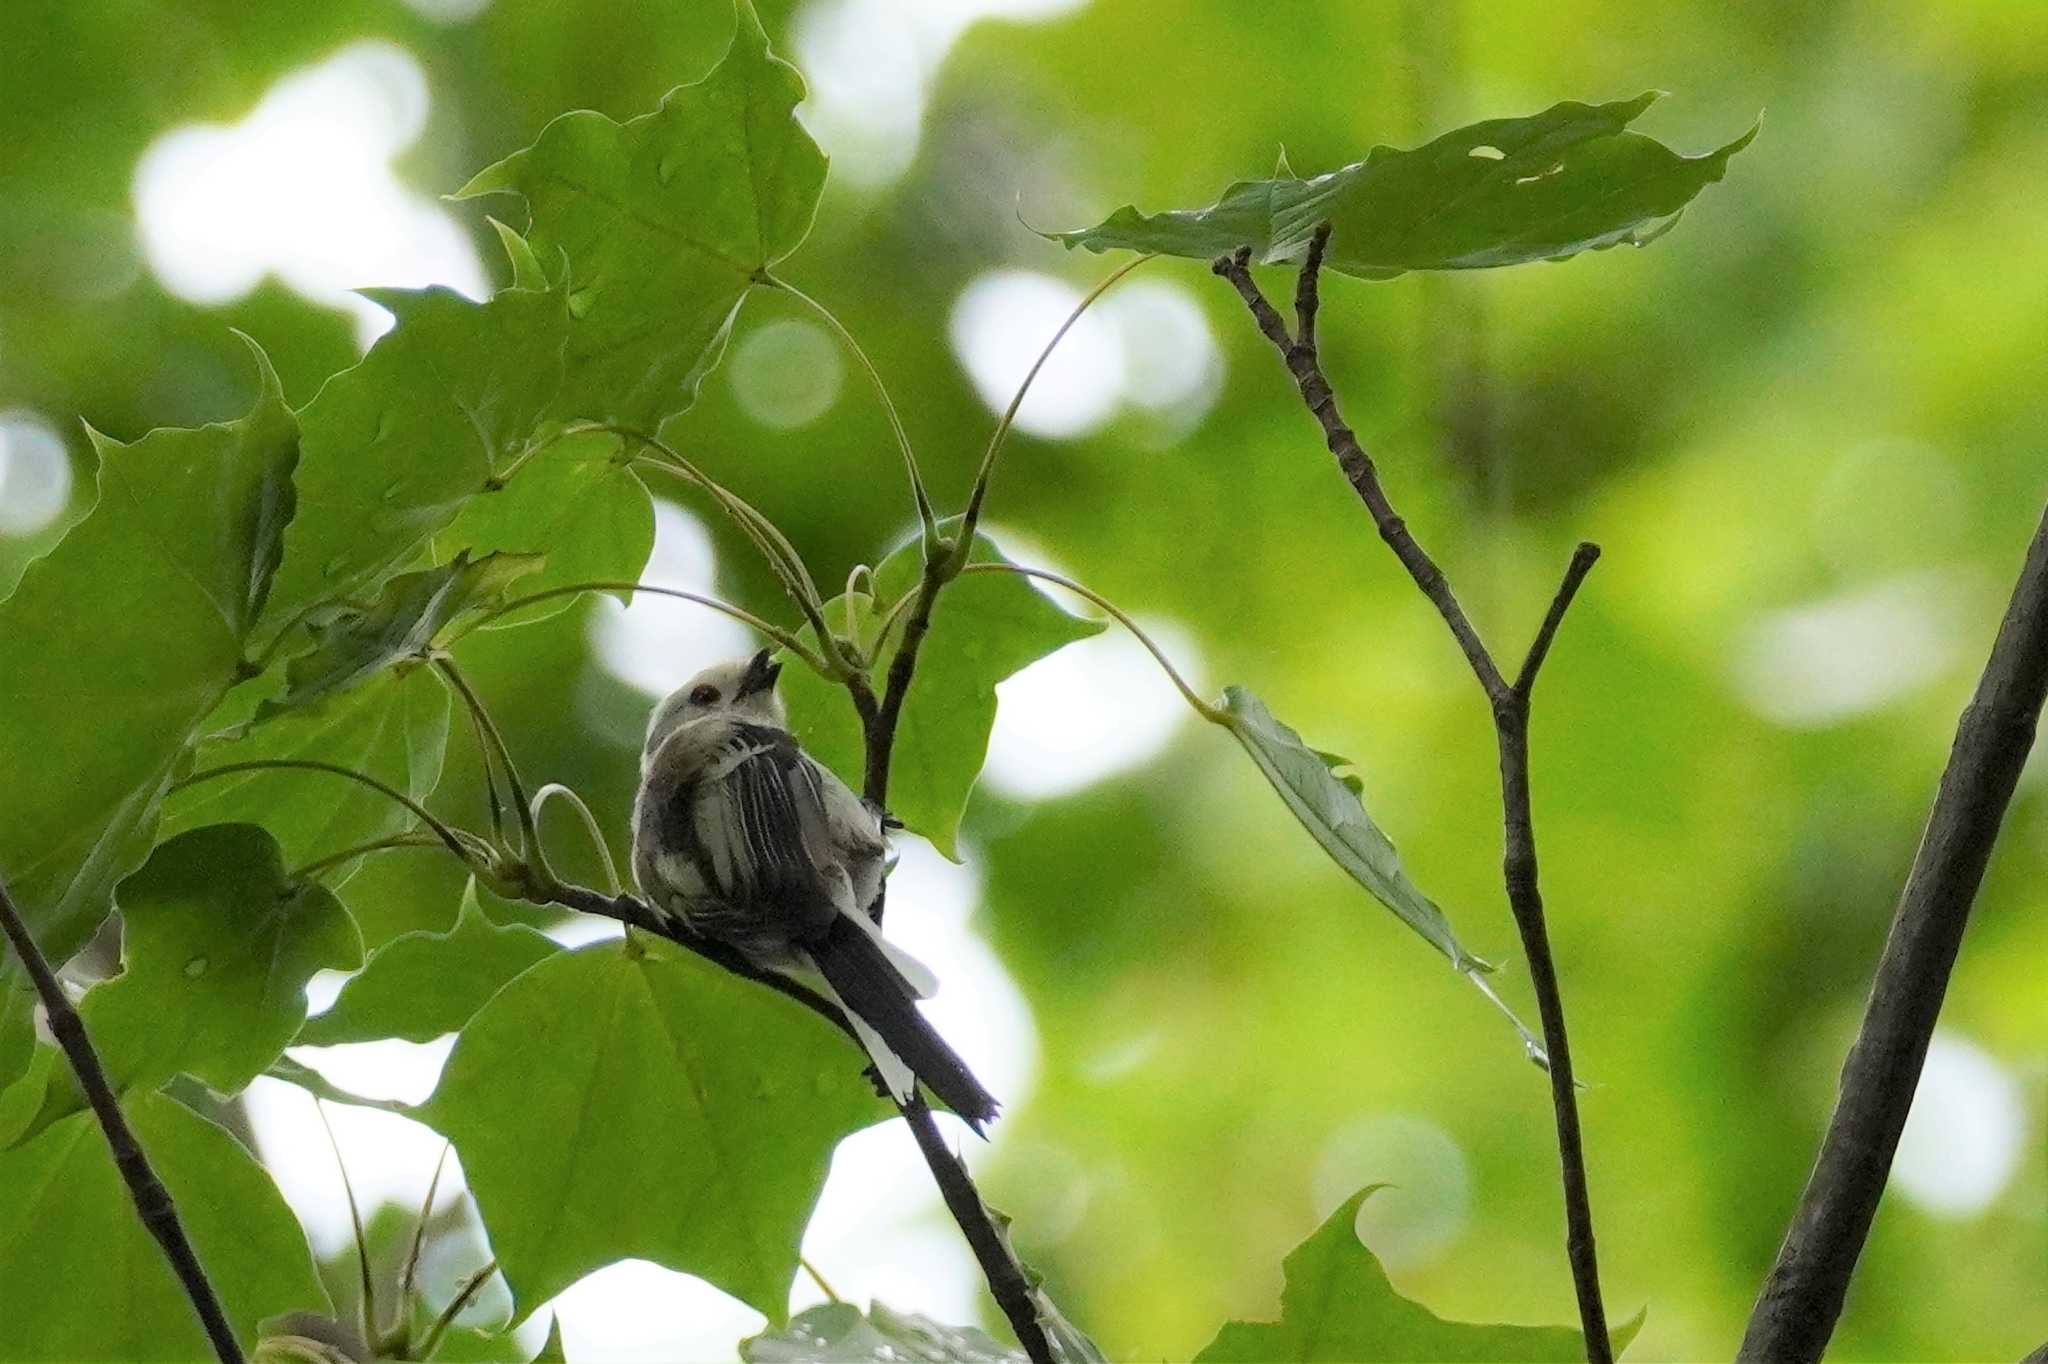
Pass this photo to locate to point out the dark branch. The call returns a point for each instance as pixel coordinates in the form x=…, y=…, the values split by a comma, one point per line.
x=152, y=1200
x=1802, y=1297
x=1305, y=364
x=1511, y=730
x=1583, y=559
x=2039, y=1355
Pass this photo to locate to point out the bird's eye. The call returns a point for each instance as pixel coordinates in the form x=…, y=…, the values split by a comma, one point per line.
x=706, y=695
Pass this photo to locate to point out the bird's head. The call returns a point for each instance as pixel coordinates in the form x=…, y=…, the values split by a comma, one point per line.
x=743, y=688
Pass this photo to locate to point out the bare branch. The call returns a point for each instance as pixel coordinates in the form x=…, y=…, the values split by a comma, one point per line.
x=1802, y=1297
x=152, y=1200
x=1510, y=706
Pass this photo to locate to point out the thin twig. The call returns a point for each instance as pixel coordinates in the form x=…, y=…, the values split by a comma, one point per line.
x=1304, y=364
x=152, y=1200
x=1510, y=705
x=1802, y=1297
x=441, y=830
x=493, y=738
x=464, y=1295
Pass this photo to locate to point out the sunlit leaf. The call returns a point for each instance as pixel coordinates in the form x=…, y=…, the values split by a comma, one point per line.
x=421, y=986
x=393, y=727
x=1339, y=1306
x=1500, y=192
x=1331, y=810
x=666, y=221
x=400, y=624
x=664, y=1109
x=117, y=645
x=987, y=626
x=217, y=948
x=580, y=504
x=444, y=403
x=86, y=1281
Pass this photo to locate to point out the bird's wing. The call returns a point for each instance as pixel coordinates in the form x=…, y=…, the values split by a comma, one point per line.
x=762, y=829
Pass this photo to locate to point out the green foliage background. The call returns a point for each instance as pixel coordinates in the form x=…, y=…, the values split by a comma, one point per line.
x=1827, y=379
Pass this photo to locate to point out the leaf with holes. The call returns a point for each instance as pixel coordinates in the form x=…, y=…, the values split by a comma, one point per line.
x=420, y=986
x=218, y=947
x=118, y=644
x=1501, y=192
x=666, y=221
x=85, y=1279
x=399, y=625
x=987, y=627
x=665, y=1109
x=1338, y=1305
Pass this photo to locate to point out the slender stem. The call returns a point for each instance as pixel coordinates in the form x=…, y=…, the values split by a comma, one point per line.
x=373, y=1330
x=590, y=826
x=819, y=1279
x=925, y=518
x=320, y=864
x=320, y=1087
x=1510, y=705
x=410, y=1274
x=463, y=1297
x=1006, y=1279
x=152, y=1200
x=1801, y=1299
x=783, y=639
x=972, y=517
x=441, y=831
x=1202, y=708
x=529, y=832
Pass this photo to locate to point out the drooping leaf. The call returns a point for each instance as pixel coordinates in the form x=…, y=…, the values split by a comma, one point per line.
x=119, y=642
x=393, y=727
x=1332, y=811
x=1338, y=1305
x=666, y=221
x=218, y=946
x=987, y=626
x=400, y=624
x=839, y=1333
x=84, y=1279
x=664, y=1109
x=581, y=504
x=1500, y=192
x=443, y=404
x=422, y=985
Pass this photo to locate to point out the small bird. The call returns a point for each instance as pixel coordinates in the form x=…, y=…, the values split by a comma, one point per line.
x=741, y=836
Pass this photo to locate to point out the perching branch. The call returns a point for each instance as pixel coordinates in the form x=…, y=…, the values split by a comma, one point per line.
x=1802, y=1297
x=1510, y=706
x=152, y=1200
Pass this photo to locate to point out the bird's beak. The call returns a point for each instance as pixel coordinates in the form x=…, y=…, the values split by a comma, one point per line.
x=760, y=675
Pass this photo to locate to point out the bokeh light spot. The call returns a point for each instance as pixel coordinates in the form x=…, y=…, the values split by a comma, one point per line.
x=787, y=374
x=1430, y=1198
x=35, y=473
x=303, y=188
x=1002, y=321
x=1828, y=661
x=658, y=643
x=1964, y=1135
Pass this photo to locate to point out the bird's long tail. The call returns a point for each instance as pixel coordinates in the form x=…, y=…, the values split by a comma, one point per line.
x=881, y=1003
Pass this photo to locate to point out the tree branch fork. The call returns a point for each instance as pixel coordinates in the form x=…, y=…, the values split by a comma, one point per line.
x=1509, y=702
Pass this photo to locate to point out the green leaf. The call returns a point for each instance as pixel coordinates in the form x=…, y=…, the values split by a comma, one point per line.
x=581, y=503
x=393, y=727
x=666, y=222
x=444, y=404
x=217, y=950
x=399, y=625
x=420, y=986
x=664, y=1109
x=1338, y=1305
x=838, y=1333
x=85, y=1280
x=1500, y=192
x=986, y=627
x=1332, y=811
x=118, y=643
